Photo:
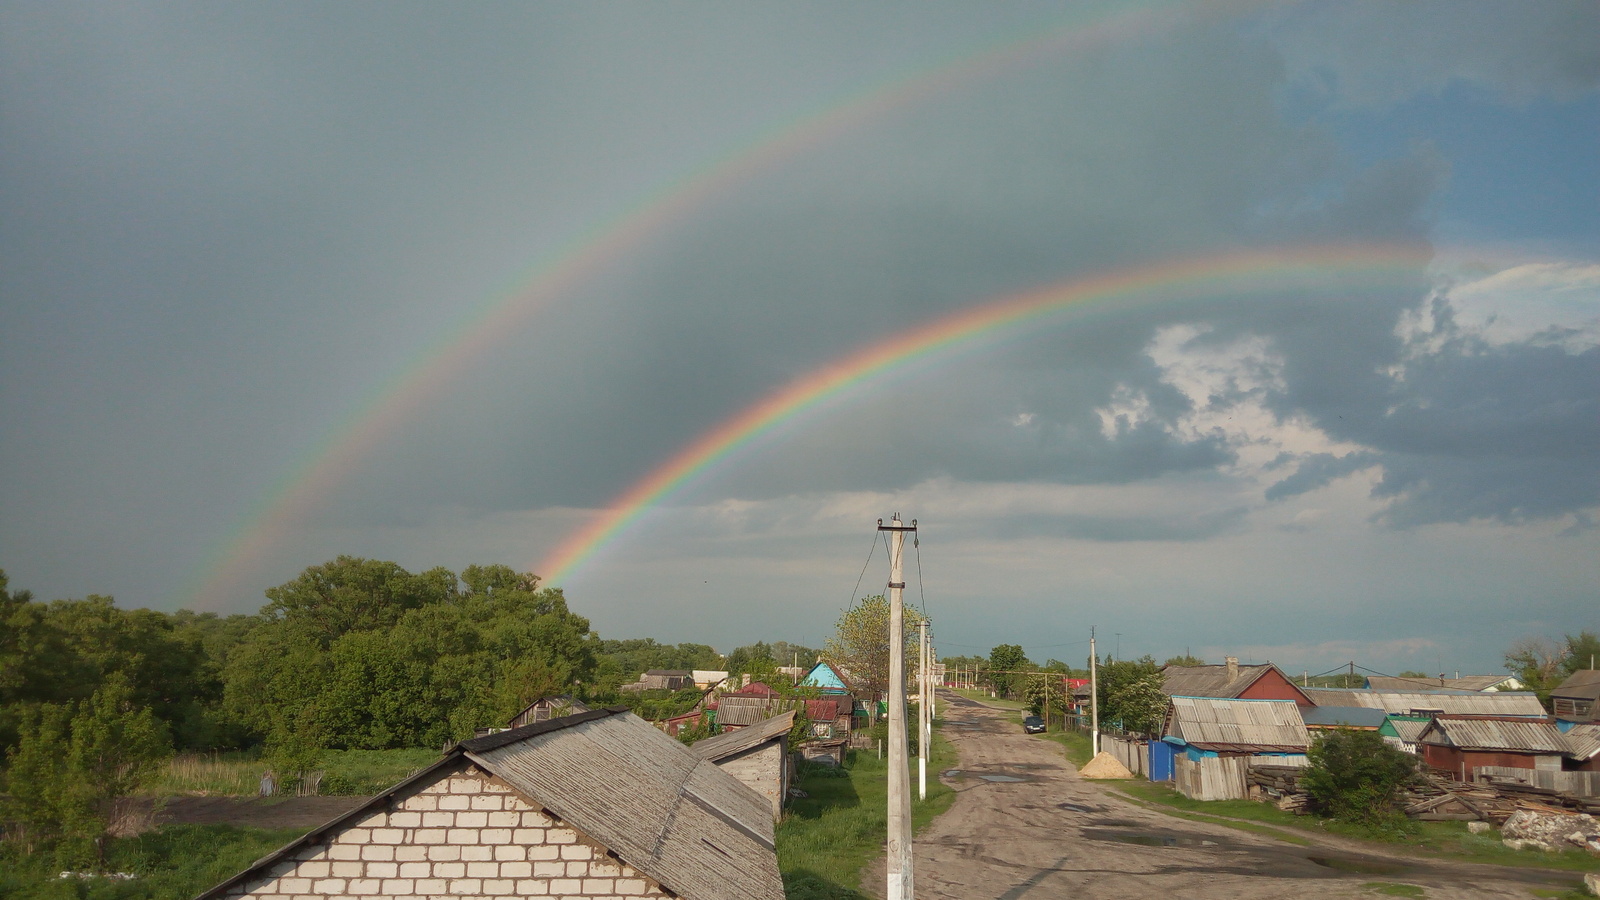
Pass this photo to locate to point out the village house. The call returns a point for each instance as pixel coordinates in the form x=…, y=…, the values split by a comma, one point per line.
x=1577, y=698
x=1459, y=745
x=1209, y=743
x=758, y=756
x=593, y=805
x=662, y=680
x=1231, y=681
x=1430, y=703
x=546, y=708
x=1458, y=683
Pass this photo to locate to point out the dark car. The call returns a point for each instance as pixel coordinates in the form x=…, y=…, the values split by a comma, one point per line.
x=1033, y=725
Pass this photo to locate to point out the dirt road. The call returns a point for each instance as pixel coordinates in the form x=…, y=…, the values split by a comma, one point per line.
x=1024, y=826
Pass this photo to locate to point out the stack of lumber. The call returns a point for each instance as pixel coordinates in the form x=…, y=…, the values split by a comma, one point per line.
x=1282, y=784
x=1532, y=797
x=1440, y=799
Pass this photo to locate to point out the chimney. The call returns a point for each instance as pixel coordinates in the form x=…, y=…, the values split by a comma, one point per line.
x=1233, y=667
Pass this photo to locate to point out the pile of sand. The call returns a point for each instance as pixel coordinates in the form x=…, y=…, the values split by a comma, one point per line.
x=1104, y=765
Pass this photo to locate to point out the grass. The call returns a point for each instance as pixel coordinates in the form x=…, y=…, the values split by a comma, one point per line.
x=354, y=773
x=1439, y=840
x=827, y=838
x=174, y=863
x=1079, y=747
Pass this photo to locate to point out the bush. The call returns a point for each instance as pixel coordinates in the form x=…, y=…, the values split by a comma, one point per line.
x=1355, y=777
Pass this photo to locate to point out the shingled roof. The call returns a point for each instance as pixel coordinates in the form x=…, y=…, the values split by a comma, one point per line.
x=680, y=820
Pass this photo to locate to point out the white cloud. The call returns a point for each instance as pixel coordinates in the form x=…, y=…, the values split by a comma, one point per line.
x=1556, y=302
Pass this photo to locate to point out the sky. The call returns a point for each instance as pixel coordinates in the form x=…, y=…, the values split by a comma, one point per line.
x=1315, y=375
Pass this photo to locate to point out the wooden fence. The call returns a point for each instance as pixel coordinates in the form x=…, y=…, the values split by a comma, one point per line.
x=1579, y=784
x=1211, y=777
x=1134, y=753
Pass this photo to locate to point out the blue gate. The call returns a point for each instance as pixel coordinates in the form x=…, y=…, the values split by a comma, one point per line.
x=1161, y=760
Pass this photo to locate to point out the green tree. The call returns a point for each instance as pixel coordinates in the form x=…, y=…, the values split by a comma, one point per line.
x=1539, y=663
x=1184, y=660
x=861, y=638
x=70, y=776
x=1582, y=652
x=1005, y=663
x=1046, y=694
x=1354, y=776
x=1127, y=694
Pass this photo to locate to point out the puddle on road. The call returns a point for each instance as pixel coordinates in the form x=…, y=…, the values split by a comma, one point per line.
x=1003, y=778
x=957, y=774
x=1359, y=866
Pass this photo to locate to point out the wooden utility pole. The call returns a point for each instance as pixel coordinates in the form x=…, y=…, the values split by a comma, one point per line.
x=924, y=709
x=1094, y=698
x=900, y=882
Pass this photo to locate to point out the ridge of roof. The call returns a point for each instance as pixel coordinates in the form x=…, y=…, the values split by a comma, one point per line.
x=723, y=745
x=512, y=735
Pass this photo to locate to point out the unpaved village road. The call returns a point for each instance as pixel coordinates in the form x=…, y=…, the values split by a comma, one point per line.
x=1055, y=835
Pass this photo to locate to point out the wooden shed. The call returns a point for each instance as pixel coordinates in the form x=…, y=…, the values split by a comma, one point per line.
x=1577, y=699
x=1460, y=744
x=598, y=804
x=546, y=708
x=758, y=756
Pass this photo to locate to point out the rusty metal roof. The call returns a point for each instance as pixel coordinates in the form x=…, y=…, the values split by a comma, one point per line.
x=1492, y=703
x=1507, y=734
x=1224, y=724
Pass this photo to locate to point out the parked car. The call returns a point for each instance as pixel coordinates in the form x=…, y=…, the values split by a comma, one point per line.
x=1033, y=725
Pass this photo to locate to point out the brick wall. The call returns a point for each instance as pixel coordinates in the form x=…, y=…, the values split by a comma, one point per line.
x=466, y=835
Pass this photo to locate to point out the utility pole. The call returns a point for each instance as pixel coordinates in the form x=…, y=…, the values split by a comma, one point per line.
x=922, y=709
x=900, y=882
x=1094, y=698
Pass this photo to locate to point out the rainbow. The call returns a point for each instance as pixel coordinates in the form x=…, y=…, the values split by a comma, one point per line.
x=1325, y=268
x=426, y=377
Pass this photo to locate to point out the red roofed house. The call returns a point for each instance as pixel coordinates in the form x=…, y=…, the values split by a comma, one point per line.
x=1232, y=681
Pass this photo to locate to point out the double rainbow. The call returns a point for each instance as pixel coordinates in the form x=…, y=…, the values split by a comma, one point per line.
x=1326, y=271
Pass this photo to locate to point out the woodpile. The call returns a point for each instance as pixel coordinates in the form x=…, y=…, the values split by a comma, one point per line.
x=1280, y=785
x=1437, y=799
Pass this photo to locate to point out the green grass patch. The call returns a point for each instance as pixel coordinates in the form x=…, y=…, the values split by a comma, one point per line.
x=1391, y=889
x=355, y=773
x=1438, y=840
x=827, y=838
x=175, y=862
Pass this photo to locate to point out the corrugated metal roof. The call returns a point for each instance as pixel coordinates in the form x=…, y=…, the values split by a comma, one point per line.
x=1583, y=741
x=1253, y=724
x=723, y=746
x=1495, y=703
x=678, y=818
x=1464, y=683
x=1409, y=729
x=732, y=710
x=1494, y=734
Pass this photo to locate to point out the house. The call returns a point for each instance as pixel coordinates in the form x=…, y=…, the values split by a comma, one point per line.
x=1459, y=683
x=1209, y=743
x=1577, y=698
x=758, y=756
x=704, y=679
x=1232, y=681
x=735, y=711
x=1209, y=726
x=1401, y=731
x=1426, y=703
x=662, y=680
x=597, y=804
x=828, y=678
x=546, y=708
x=1583, y=748
x=1460, y=744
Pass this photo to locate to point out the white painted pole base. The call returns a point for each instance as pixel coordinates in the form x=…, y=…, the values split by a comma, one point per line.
x=922, y=778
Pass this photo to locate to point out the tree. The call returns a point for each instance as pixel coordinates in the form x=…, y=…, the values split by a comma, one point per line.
x=1005, y=662
x=860, y=642
x=1538, y=663
x=1354, y=776
x=1128, y=690
x=1582, y=652
x=1184, y=660
x=1046, y=693
x=69, y=777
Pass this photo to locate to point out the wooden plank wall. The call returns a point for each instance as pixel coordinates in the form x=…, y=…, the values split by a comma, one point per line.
x=1133, y=753
x=1211, y=778
x=1581, y=784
